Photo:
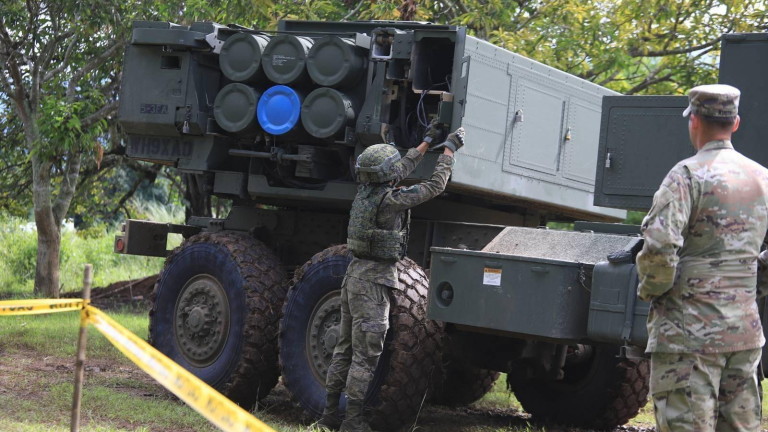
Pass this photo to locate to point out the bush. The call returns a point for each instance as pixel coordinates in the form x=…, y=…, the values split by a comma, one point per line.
x=18, y=253
x=108, y=266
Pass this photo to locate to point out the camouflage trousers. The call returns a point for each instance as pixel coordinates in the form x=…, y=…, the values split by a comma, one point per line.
x=706, y=392
x=364, y=323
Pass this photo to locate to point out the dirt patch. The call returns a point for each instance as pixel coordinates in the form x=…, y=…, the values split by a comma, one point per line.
x=27, y=375
x=24, y=375
x=134, y=292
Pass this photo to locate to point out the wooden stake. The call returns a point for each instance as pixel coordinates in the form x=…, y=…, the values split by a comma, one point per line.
x=80, y=362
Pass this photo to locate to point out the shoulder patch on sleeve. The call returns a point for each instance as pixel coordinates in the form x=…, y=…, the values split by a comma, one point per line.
x=405, y=190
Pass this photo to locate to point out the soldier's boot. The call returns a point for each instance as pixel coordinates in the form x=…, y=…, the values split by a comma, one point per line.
x=354, y=421
x=330, y=420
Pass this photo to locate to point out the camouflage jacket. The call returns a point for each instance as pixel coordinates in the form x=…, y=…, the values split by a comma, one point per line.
x=392, y=211
x=698, y=265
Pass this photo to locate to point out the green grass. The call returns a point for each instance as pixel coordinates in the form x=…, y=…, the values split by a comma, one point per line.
x=111, y=401
x=18, y=250
x=14, y=425
x=499, y=396
x=103, y=409
x=115, y=400
x=56, y=334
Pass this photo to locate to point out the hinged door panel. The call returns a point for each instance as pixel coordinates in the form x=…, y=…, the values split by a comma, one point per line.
x=580, y=141
x=641, y=139
x=536, y=139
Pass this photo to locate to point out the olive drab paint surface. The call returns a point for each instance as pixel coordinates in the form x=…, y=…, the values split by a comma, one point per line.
x=535, y=129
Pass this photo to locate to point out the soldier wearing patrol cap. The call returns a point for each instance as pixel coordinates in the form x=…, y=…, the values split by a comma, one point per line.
x=699, y=270
x=377, y=237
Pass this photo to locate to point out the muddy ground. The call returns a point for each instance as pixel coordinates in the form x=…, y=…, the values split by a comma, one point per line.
x=26, y=376
x=278, y=404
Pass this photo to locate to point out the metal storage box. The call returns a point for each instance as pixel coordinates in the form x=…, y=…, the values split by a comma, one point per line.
x=537, y=282
x=529, y=296
x=616, y=315
x=532, y=133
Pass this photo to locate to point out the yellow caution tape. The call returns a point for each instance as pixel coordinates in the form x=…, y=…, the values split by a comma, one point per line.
x=219, y=410
x=39, y=306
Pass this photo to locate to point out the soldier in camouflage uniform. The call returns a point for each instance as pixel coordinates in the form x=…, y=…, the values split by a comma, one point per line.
x=377, y=237
x=698, y=268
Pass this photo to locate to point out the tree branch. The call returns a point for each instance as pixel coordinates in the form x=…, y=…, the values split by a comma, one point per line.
x=16, y=91
x=528, y=20
x=457, y=5
x=610, y=78
x=102, y=113
x=5, y=86
x=353, y=11
x=637, y=52
x=174, y=182
x=51, y=48
x=149, y=173
x=68, y=185
x=648, y=82
x=91, y=65
x=34, y=66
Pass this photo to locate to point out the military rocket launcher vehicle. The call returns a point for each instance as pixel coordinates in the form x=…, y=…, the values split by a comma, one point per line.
x=273, y=121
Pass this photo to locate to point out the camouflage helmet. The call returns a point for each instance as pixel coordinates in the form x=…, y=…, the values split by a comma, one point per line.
x=376, y=163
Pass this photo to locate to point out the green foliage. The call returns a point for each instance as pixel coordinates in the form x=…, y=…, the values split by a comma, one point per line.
x=61, y=124
x=18, y=251
x=631, y=46
x=120, y=192
x=562, y=226
x=108, y=266
x=157, y=211
x=15, y=172
x=634, y=217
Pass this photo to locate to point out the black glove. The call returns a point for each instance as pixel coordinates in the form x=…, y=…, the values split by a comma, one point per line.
x=454, y=141
x=434, y=132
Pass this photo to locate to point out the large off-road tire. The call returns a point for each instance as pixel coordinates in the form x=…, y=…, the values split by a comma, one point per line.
x=216, y=310
x=309, y=330
x=462, y=384
x=602, y=392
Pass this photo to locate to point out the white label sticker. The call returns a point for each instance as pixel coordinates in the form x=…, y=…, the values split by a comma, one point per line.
x=280, y=60
x=492, y=276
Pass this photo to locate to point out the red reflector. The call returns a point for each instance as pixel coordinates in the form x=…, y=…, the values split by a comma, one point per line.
x=120, y=244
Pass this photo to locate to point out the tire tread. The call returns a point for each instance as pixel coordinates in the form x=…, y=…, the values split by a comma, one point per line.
x=257, y=371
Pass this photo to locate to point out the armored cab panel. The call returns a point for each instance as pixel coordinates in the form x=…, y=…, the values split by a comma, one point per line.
x=532, y=133
x=642, y=137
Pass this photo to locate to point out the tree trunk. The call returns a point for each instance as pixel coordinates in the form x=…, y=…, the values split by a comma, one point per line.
x=197, y=197
x=48, y=231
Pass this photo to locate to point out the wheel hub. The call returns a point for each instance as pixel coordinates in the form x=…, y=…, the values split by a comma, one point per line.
x=197, y=319
x=201, y=320
x=324, y=333
x=331, y=338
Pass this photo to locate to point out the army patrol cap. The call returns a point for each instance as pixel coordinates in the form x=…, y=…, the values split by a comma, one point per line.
x=713, y=100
